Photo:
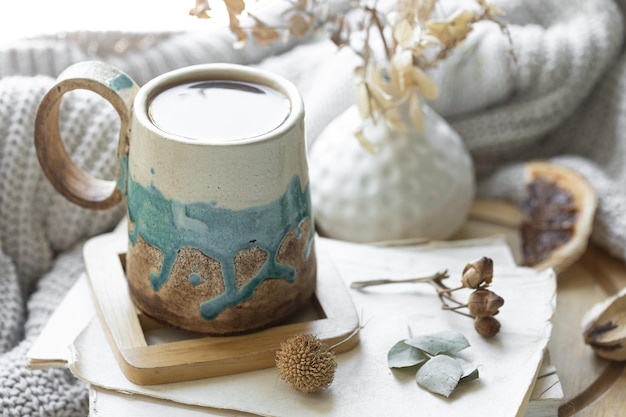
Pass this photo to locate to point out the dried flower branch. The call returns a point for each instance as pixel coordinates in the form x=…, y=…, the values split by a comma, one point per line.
x=435, y=277
x=482, y=303
x=389, y=89
x=300, y=18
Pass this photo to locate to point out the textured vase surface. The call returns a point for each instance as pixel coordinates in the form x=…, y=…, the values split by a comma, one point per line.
x=419, y=184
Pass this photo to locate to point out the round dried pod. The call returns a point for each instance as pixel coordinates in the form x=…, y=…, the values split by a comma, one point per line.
x=483, y=302
x=306, y=363
x=487, y=326
x=477, y=273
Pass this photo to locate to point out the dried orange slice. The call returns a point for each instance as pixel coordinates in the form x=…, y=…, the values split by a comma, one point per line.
x=550, y=228
x=558, y=216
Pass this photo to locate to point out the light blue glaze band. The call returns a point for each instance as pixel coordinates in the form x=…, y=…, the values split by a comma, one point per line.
x=121, y=82
x=220, y=233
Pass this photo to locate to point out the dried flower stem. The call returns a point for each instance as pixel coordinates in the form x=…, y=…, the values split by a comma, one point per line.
x=435, y=277
x=436, y=280
x=375, y=20
x=348, y=337
x=444, y=295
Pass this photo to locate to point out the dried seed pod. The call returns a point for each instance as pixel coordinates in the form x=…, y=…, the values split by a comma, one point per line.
x=483, y=302
x=306, y=363
x=605, y=327
x=487, y=326
x=478, y=273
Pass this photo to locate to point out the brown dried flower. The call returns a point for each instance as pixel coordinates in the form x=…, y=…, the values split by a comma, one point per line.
x=200, y=10
x=412, y=40
x=483, y=303
x=478, y=274
x=487, y=326
x=452, y=30
x=306, y=363
x=299, y=24
x=264, y=34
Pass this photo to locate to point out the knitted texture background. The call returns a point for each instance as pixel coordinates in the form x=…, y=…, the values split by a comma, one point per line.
x=564, y=100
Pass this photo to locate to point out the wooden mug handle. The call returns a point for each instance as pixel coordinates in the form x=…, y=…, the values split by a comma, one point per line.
x=68, y=179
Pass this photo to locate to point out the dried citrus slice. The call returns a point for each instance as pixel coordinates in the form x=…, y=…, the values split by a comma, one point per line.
x=558, y=216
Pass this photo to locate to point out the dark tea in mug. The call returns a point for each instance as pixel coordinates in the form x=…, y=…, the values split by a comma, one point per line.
x=219, y=110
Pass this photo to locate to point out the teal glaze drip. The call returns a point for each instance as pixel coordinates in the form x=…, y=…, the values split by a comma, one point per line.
x=194, y=279
x=220, y=233
x=121, y=82
x=122, y=180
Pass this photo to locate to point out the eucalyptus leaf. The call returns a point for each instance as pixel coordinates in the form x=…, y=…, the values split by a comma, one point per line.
x=469, y=377
x=470, y=371
x=402, y=355
x=440, y=375
x=442, y=342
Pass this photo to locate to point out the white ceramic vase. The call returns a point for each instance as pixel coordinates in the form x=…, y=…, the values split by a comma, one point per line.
x=420, y=184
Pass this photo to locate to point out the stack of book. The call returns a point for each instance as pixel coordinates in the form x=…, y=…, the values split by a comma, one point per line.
x=515, y=376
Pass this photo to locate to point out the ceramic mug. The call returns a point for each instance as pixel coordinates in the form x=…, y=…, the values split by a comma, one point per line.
x=220, y=227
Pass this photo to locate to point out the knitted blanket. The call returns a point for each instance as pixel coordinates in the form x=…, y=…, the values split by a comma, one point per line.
x=564, y=100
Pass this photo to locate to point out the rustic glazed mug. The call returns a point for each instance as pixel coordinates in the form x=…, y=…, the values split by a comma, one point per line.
x=220, y=225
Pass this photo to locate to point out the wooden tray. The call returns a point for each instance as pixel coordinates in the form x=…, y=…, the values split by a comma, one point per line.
x=197, y=356
x=592, y=386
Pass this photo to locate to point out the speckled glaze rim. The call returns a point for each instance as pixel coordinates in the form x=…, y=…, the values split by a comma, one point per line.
x=220, y=71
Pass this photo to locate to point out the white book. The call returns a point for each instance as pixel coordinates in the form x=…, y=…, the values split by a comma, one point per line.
x=530, y=388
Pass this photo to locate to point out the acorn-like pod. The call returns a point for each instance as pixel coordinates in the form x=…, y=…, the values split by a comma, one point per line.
x=604, y=327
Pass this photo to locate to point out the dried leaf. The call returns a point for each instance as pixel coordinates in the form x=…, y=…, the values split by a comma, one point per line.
x=403, y=34
x=440, y=375
x=415, y=112
x=380, y=96
x=425, y=9
x=425, y=85
x=264, y=34
x=362, y=99
x=376, y=77
x=242, y=37
x=447, y=341
x=235, y=6
x=402, y=65
x=393, y=118
x=201, y=9
x=402, y=355
x=298, y=25
x=337, y=36
x=453, y=29
x=366, y=144
x=491, y=9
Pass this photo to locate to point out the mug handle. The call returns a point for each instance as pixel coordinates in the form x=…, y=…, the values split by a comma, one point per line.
x=68, y=179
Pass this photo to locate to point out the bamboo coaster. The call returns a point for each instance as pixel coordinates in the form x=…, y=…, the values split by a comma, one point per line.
x=205, y=356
